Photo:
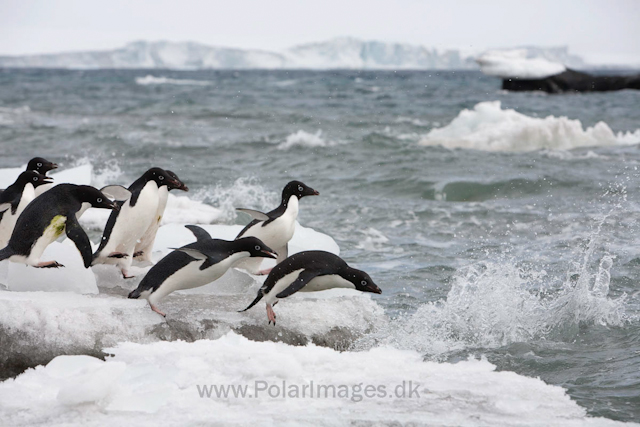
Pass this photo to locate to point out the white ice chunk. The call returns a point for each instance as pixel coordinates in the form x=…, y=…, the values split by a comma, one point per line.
x=490, y=128
x=514, y=63
x=73, y=277
x=79, y=175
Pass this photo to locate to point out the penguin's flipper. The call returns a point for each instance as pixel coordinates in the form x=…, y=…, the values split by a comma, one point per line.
x=79, y=237
x=193, y=253
x=283, y=253
x=255, y=214
x=303, y=278
x=116, y=192
x=200, y=233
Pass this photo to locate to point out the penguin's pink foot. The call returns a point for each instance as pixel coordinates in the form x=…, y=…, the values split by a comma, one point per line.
x=264, y=272
x=49, y=264
x=137, y=254
x=117, y=255
x=154, y=308
x=125, y=275
x=271, y=315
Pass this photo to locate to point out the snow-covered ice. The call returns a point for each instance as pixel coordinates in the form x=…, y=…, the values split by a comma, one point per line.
x=171, y=383
x=516, y=64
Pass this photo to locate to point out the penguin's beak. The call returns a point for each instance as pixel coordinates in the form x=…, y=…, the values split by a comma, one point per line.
x=269, y=254
x=53, y=166
x=373, y=288
x=316, y=193
x=47, y=180
x=114, y=206
x=179, y=185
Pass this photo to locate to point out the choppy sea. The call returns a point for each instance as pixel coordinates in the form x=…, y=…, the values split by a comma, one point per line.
x=501, y=227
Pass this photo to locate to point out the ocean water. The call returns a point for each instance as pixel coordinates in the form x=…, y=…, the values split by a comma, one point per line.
x=499, y=225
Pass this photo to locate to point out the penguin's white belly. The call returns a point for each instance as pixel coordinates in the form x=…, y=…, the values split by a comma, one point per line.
x=8, y=222
x=54, y=230
x=145, y=243
x=132, y=222
x=281, y=285
x=190, y=276
x=276, y=234
x=329, y=281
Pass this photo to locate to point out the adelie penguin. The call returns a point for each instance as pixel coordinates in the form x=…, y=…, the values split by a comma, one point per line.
x=41, y=166
x=196, y=265
x=53, y=213
x=127, y=227
x=144, y=247
x=310, y=271
x=275, y=228
x=15, y=198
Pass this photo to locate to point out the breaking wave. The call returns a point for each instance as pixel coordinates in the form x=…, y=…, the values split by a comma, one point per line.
x=305, y=139
x=493, y=304
x=152, y=80
x=488, y=127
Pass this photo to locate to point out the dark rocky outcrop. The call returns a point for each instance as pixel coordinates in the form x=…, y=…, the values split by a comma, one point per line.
x=573, y=81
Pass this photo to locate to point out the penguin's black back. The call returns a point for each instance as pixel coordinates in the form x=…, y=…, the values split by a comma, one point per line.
x=37, y=216
x=323, y=261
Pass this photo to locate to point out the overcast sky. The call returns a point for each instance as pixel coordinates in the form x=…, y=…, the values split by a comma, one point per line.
x=599, y=30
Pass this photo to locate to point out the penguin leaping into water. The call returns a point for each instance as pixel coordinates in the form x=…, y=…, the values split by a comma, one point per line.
x=196, y=265
x=53, y=213
x=15, y=198
x=310, y=271
x=275, y=228
x=126, y=227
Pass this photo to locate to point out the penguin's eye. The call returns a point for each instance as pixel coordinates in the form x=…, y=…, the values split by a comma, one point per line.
x=39, y=165
x=35, y=178
x=300, y=188
x=363, y=283
x=258, y=248
x=161, y=177
x=99, y=199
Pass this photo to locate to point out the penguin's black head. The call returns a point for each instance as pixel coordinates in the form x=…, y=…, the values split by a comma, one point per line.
x=41, y=165
x=97, y=199
x=162, y=177
x=255, y=247
x=298, y=189
x=178, y=185
x=34, y=178
x=362, y=281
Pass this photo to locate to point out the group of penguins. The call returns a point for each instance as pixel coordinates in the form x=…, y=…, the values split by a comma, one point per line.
x=34, y=213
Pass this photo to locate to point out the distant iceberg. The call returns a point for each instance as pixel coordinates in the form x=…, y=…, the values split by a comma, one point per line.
x=338, y=53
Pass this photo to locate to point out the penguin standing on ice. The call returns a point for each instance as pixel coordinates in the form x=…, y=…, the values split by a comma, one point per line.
x=53, y=213
x=275, y=228
x=144, y=248
x=196, y=265
x=310, y=271
x=15, y=198
x=128, y=225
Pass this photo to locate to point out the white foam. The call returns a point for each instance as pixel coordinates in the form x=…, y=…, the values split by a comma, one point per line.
x=152, y=80
x=305, y=139
x=515, y=63
x=496, y=304
x=243, y=193
x=158, y=383
x=490, y=128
